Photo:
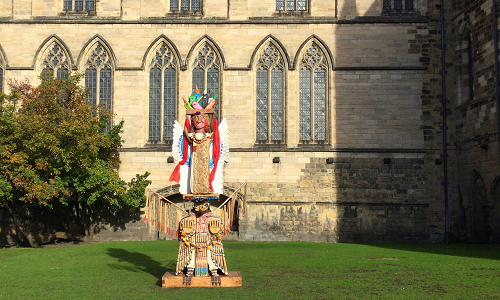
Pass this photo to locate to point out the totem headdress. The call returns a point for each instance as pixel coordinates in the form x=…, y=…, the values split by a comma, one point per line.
x=199, y=103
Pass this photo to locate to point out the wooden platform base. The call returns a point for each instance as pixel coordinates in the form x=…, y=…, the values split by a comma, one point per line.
x=170, y=280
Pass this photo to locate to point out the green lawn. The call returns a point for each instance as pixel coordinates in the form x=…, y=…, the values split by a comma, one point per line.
x=270, y=270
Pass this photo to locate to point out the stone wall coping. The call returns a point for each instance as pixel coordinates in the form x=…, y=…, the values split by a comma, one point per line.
x=180, y=20
x=303, y=148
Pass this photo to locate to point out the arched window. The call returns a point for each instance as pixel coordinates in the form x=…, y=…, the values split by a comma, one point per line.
x=55, y=61
x=465, y=82
x=162, y=94
x=206, y=74
x=313, y=78
x=270, y=95
x=99, y=76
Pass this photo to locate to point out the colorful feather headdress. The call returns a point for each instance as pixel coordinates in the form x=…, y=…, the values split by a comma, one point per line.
x=199, y=103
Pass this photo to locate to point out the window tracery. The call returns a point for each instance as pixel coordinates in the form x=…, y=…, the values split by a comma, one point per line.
x=55, y=62
x=270, y=96
x=206, y=74
x=99, y=76
x=162, y=94
x=313, y=95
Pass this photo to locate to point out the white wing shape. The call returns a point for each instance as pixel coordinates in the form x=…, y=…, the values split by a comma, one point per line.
x=178, y=139
x=223, y=156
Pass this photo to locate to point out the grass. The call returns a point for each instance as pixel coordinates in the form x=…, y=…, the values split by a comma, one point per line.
x=270, y=270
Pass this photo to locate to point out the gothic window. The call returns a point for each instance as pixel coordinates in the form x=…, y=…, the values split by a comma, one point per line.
x=162, y=94
x=291, y=5
x=206, y=75
x=397, y=7
x=465, y=82
x=313, y=96
x=79, y=5
x=185, y=5
x=55, y=62
x=98, y=77
x=270, y=96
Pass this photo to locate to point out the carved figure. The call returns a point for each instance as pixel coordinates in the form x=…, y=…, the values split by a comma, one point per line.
x=201, y=149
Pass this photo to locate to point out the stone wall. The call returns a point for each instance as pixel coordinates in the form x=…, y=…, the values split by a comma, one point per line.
x=474, y=112
x=382, y=99
x=356, y=198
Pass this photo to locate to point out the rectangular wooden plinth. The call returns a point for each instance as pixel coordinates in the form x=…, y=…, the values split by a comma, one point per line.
x=170, y=280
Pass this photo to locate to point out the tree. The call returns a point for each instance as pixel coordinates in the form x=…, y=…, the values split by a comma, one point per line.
x=58, y=154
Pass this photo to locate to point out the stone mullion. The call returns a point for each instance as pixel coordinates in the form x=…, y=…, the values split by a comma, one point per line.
x=269, y=104
x=311, y=85
x=162, y=100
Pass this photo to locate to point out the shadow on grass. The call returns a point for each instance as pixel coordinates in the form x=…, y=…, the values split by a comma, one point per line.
x=140, y=263
x=458, y=249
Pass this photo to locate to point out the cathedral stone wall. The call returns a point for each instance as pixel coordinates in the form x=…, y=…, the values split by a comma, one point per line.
x=380, y=101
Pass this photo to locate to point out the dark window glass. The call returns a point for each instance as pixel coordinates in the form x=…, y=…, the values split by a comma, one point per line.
x=89, y=5
x=78, y=5
x=280, y=4
x=169, y=94
x=154, y=104
x=195, y=5
x=62, y=73
x=262, y=105
x=91, y=84
x=68, y=5
x=174, y=5
x=276, y=105
x=305, y=104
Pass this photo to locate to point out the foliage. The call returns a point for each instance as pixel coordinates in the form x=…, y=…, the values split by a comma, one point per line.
x=56, y=151
x=269, y=270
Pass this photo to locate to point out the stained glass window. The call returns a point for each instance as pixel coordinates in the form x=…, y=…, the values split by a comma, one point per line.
x=99, y=78
x=270, y=100
x=313, y=106
x=162, y=94
x=55, y=62
x=206, y=75
x=184, y=4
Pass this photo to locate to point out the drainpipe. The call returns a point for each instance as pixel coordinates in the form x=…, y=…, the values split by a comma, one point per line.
x=445, y=146
x=497, y=92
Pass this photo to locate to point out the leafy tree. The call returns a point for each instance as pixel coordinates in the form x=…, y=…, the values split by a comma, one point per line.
x=58, y=154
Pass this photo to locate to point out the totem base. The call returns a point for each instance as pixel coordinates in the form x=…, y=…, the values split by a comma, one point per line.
x=233, y=279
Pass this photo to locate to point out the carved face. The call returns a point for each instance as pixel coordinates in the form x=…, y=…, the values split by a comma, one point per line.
x=201, y=208
x=200, y=122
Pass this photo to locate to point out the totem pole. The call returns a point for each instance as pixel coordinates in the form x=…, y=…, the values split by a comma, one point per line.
x=201, y=149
